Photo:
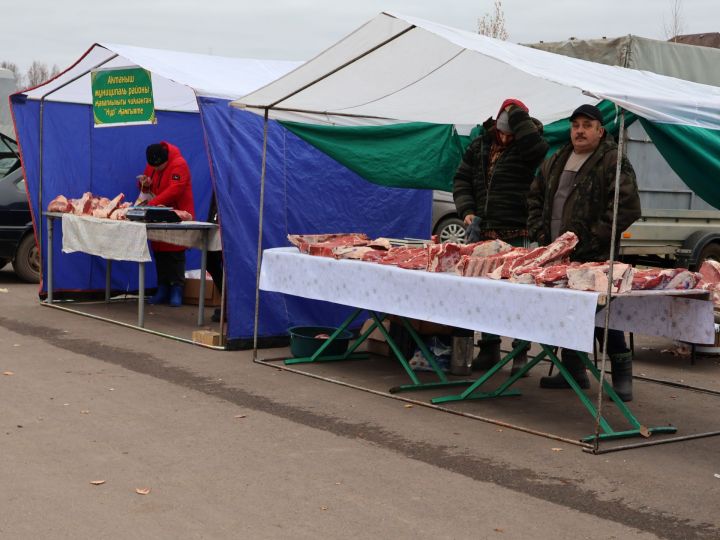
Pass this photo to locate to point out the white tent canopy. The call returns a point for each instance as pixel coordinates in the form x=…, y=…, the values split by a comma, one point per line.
x=400, y=68
x=176, y=76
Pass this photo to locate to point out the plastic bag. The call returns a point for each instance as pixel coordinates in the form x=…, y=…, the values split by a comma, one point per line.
x=442, y=352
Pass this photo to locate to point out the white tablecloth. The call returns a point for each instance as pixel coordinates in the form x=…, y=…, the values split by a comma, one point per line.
x=106, y=238
x=127, y=240
x=562, y=317
x=553, y=316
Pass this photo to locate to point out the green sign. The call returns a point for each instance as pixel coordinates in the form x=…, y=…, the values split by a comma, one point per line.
x=122, y=97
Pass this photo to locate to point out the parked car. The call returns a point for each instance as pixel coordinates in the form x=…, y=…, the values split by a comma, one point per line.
x=445, y=221
x=17, y=241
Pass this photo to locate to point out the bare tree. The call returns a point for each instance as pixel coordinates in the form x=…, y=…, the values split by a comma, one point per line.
x=493, y=24
x=676, y=26
x=19, y=78
x=37, y=73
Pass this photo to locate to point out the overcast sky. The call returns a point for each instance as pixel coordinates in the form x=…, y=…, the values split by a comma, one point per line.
x=59, y=31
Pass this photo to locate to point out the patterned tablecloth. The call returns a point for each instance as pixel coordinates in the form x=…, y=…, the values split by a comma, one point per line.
x=562, y=317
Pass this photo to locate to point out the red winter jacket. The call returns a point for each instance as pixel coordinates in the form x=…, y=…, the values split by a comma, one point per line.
x=172, y=187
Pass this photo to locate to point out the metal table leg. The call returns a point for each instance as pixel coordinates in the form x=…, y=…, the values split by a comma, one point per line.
x=141, y=295
x=49, y=249
x=108, y=274
x=203, y=271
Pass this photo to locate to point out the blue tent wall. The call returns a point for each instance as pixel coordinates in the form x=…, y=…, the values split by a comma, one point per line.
x=78, y=157
x=305, y=192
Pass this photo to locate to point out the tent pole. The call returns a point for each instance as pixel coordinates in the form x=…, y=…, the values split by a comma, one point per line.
x=613, y=231
x=343, y=66
x=260, y=233
x=40, y=139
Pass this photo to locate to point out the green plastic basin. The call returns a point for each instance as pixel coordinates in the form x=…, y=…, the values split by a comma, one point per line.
x=304, y=343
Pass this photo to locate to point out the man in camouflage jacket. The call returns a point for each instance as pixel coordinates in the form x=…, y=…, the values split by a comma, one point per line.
x=490, y=192
x=574, y=191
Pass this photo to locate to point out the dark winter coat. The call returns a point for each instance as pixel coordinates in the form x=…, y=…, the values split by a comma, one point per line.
x=588, y=209
x=499, y=199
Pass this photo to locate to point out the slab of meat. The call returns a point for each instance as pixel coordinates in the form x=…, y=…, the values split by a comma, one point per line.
x=304, y=241
x=594, y=277
x=380, y=243
x=554, y=253
x=443, y=257
x=405, y=257
x=60, y=204
x=107, y=209
x=352, y=252
x=554, y=275
x=710, y=271
x=472, y=266
x=485, y=248
x=83, y=205
x=684, y=280
x=653, y=278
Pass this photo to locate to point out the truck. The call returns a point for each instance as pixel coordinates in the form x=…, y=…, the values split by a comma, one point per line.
x=677, y=228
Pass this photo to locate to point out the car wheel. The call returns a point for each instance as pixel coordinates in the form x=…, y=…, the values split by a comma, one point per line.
x=27, y=260
x=451, y=229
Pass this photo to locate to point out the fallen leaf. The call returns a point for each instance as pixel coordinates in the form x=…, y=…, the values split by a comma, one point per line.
x=3, y=290
x=84, y=412
x=716, y=475
x=97, y=482
x=8, y=373
x=645, y=432
x=142, y=491
x=340, y=483
x=323, y=508
x=499, y=430
x=556, y=449
x=16, y=344
x=673, y=397
x=408, y=406
x=499, y=530
x=241, y=416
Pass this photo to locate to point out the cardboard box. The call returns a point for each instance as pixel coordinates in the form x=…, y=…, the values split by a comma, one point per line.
x=426, y=328
x=378, y=348
x=376, y=334
x=206, y=337
x=191, y=294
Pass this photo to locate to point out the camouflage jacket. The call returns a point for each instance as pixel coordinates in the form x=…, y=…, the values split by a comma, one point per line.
x=499, y=199
x=588, y=209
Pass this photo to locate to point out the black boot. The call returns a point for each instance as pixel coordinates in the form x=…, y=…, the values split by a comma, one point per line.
x=519, y=362
x=574, y=365
x=488, y=356
x=622, y=375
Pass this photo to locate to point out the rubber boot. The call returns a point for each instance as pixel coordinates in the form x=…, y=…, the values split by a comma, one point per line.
x=519, y=362
x=574, y=365
x=161, y=296
x=176, y=295
x=488, y=356
x=622, y=375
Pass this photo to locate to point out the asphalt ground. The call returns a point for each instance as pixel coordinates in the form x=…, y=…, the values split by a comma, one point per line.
x=229, y=448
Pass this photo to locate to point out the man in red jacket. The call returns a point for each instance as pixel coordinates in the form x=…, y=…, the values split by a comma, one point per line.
x=167, y=175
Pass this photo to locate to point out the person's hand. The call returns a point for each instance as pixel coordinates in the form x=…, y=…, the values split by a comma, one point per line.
x=143, y=181
x=469, y=219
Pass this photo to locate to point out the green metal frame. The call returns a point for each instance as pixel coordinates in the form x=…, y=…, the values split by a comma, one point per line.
x=472, y=392
x=350, y=354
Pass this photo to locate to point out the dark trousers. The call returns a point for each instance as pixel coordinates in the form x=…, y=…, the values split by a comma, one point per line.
x=170, y=267
x=616, y=340
x=215, y=267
